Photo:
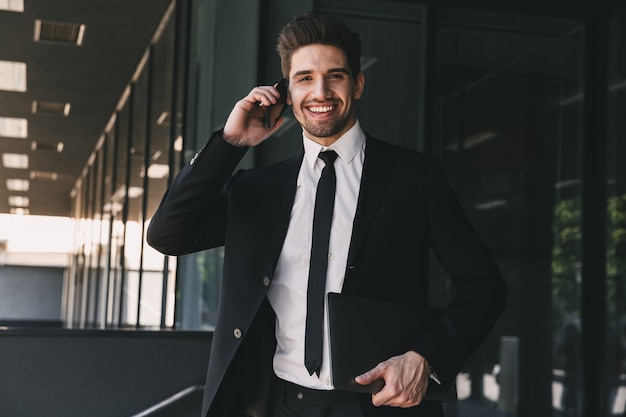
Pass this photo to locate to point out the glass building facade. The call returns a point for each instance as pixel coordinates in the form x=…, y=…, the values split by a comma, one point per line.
x=523, y=104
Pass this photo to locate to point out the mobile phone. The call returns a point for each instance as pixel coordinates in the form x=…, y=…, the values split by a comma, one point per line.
x=273, y=112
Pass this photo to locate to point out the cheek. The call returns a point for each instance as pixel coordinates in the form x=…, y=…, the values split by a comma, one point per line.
x=294, y=98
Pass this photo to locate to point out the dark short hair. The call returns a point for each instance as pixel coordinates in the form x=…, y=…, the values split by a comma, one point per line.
x=313, y=28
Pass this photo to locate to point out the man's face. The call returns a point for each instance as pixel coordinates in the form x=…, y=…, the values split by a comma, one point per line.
x=322, y=92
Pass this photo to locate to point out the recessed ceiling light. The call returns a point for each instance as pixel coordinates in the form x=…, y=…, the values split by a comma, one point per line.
x=49, y=147
x=112, y=207
x=120, y=194
x=12, y=5
x=178, y=143
x=63, y=32
x=15, y=160
x=19, y=210
x=44, y=175
x=14, y=184
x=13, y=127
x=54, y=108
x=158, y=171
x=12, y=76
x=18, y=201
x=134, y=192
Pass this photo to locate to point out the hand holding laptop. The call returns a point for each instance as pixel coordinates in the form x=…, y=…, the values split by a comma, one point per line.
x=371, y=338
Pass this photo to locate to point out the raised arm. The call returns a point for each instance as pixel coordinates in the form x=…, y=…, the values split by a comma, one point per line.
x=192, y=213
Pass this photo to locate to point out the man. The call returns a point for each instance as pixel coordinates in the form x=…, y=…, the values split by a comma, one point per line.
x=390, y=206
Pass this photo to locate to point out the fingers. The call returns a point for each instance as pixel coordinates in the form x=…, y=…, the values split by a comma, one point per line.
x=264, y=96
x=398, y=395
x=405, y=378
x=245, y=125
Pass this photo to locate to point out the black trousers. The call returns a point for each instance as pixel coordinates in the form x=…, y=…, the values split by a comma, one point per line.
x=291, y=400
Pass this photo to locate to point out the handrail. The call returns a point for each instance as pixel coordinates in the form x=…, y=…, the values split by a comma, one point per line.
x=170, y=400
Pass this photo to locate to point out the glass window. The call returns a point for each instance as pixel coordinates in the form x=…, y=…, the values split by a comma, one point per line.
x=108, y=148
x=117, y=227
x=508, y=131
x=96, y=280
x=133, y=198
x=163, y=127
x=116, y=279
x=616, y=217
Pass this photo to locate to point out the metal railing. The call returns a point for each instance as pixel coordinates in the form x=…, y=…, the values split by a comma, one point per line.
x=169, y=401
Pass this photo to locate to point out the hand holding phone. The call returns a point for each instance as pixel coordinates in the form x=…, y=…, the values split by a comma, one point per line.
x=273, y=112
x=253, y=118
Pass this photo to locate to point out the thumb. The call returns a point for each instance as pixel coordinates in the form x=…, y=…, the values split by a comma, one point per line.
x=369, y=376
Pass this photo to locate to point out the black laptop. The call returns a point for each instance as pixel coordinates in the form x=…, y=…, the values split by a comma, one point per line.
x=366, y=331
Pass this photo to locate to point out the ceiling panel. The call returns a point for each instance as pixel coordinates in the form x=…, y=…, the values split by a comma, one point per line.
x=90, y=77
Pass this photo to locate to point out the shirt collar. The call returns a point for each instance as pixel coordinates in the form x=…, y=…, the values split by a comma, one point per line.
x=347, y=146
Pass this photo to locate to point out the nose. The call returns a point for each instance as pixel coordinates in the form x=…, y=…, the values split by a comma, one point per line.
x=321, y=90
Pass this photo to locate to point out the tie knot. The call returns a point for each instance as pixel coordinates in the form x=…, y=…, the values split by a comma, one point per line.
x=328, y=157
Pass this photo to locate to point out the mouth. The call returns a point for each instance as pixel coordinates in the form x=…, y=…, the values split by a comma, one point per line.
x=321, y=109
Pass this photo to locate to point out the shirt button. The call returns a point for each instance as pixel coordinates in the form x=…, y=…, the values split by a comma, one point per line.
x=266, y=281
x=237, y=333
x=331, y=256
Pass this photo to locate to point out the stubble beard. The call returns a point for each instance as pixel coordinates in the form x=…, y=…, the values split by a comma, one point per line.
x=325, y=129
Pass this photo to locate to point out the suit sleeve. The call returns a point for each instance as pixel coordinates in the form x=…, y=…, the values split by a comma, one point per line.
x=480, y=290
x=192, y=213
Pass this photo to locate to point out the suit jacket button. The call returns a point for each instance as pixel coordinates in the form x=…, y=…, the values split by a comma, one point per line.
x=266, y=281
x=237, y=333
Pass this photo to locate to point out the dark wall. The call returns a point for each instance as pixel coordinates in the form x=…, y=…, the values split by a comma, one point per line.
x=30, y=293
x=69, y=373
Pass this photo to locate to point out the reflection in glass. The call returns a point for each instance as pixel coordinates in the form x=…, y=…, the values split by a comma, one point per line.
x=508, y=130
x=616, y=219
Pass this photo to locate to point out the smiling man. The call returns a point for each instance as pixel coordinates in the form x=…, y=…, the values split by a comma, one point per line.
x=322, y=92
x=349, y=214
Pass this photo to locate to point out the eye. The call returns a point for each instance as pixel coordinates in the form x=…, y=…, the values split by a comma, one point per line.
x=336, y=76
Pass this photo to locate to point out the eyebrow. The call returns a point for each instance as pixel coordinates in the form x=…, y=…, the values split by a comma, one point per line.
x=330, y=71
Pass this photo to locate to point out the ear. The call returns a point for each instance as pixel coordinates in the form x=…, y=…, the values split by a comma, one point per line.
x=359, y=85
x=288, y=101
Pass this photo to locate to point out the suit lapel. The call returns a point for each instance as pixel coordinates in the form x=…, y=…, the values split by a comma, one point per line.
x=283, y=190
x=377, y=168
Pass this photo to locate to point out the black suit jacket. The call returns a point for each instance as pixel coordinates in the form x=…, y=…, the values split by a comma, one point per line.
x=405, y=207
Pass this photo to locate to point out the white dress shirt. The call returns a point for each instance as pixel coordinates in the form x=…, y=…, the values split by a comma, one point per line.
x=288, y=291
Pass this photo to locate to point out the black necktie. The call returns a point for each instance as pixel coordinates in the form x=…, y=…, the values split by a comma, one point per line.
x=322, y=218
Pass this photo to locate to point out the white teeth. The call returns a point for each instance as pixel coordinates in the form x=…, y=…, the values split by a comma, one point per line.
x=321, y=109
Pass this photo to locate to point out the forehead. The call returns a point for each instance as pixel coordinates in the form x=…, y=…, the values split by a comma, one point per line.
x=318, y=57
